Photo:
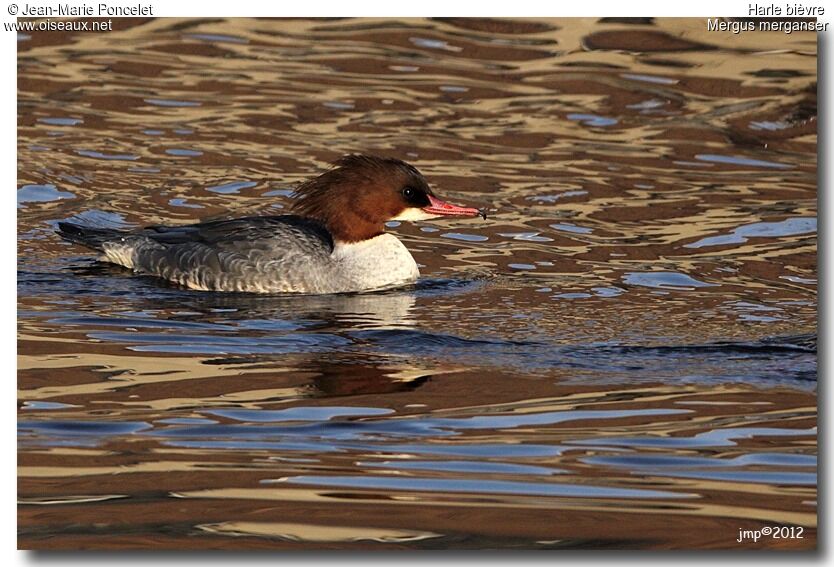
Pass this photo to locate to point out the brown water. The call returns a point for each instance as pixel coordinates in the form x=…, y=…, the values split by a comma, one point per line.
x=622, y=356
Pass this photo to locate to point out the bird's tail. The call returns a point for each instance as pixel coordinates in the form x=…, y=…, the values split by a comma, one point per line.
x=88, y=236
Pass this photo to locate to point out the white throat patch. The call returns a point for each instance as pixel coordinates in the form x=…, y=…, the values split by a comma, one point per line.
x=414, y=214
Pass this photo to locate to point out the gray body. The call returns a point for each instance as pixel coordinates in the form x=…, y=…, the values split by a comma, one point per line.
x=269, y=254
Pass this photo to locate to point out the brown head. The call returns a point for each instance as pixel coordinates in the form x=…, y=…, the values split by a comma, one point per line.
x=359, y=194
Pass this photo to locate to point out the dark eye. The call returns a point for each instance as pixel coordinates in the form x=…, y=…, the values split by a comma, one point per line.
x=415, y=196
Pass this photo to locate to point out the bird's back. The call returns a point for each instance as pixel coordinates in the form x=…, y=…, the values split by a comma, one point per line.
x=270, y=254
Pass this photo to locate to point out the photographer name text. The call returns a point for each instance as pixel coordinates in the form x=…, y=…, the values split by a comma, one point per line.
x=89, y=10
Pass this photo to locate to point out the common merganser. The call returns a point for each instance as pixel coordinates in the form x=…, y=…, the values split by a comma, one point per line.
x=334, y=242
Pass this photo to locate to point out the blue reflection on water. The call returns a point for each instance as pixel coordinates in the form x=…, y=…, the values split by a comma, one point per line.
x=740, y=235
x=60, y=121
x=664, y=280
x=482, y=467
x=40, y=194
x=592, y=119
x=317, y=413
x=171, y=102
x=481, y=486
x=232, y=187
x=741, y=160
x=713, y=438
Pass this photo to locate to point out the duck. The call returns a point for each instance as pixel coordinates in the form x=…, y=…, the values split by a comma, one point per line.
x=332, y=241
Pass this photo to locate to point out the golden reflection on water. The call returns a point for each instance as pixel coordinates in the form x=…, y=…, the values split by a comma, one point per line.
x=623, y=355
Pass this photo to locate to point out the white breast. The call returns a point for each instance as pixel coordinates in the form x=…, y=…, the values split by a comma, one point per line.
x=378, y=263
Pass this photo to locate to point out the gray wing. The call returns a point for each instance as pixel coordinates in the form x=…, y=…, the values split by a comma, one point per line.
x=266, y=254
x=235, y=232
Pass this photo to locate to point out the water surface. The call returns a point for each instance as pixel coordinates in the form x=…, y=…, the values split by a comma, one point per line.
x=622, y=356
